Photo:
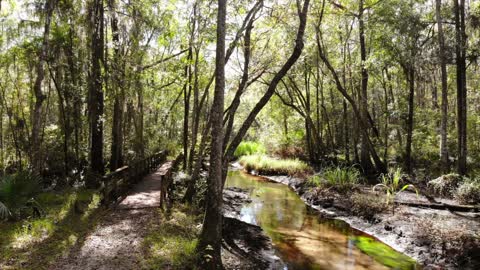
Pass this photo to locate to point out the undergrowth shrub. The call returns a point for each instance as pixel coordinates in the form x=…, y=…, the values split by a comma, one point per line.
x=468, y=192
x=290, y=151
x=249, y=148
x=445, y=185
x=367, y=206
x=17, y=192
x=270, y=166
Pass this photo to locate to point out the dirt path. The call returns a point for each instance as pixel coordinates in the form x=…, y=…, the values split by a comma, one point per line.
x=116, y=242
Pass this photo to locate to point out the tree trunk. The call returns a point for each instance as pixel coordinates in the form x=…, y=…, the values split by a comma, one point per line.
x=460, y=50
x=297, y=51
x=443, y=68
x=190, y=192
x=410, y=73
x=63, y=113
x=363, y=123
x=186, y=110
x=116, y=156
x=96, y=94
x=140, y=142
x=365, y=160
x=37, y=121
x=195, y=112
x=2, y=151
x=209, y=245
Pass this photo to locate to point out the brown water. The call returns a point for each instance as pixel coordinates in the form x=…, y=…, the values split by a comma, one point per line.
x=303, y=240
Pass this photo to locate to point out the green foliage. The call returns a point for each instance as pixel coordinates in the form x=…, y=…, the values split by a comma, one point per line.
x=315, y=181
x=17, y=192
x=267, y=165
x=342, y=179
x=249, y=148
x=468, y=192
x=392, y=184
x=445, y=185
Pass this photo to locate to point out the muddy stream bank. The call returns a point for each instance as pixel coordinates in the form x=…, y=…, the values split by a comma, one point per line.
x=300, y=237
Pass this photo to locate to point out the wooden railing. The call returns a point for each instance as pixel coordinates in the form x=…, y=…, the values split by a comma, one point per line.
x=116, y=184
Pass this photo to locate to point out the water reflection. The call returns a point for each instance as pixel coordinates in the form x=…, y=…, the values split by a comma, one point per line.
x=303, y=240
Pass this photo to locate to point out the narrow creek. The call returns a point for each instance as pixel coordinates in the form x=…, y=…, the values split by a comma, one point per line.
x=305, y=241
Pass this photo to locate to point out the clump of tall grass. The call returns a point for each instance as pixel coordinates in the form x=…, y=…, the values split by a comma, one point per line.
x=249, y=148
x=265, y=165
x=340, y=178
x=393, y=185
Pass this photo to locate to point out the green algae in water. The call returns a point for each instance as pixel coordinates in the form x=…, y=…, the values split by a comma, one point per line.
x=384, y=254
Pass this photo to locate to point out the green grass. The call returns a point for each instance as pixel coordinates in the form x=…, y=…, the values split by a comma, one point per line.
x=249, y=148
x=270, y=166
x=35, y=243
x=340, y=178
x=171, y=242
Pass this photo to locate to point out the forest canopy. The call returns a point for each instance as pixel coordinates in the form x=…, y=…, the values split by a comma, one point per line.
x=142, y=68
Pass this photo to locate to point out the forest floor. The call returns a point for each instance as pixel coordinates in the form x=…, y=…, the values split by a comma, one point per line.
x=437, y=239
x=136, y=234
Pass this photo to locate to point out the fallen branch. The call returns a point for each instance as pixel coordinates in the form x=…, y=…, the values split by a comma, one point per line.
x=442, y=206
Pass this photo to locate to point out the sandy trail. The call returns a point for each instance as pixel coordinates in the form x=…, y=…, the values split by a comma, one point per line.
x=115, y=243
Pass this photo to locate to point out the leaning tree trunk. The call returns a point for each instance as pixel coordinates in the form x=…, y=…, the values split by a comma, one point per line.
x=297, y=51
x=37, y=121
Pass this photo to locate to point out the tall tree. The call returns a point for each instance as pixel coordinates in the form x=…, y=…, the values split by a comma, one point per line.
x=460, y=51
x=209, y=245
x=116, y=157
x=95, y=92
x=365, y=160
x=443, y=71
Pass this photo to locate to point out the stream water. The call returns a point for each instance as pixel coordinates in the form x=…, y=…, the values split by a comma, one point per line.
x=303, y=240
